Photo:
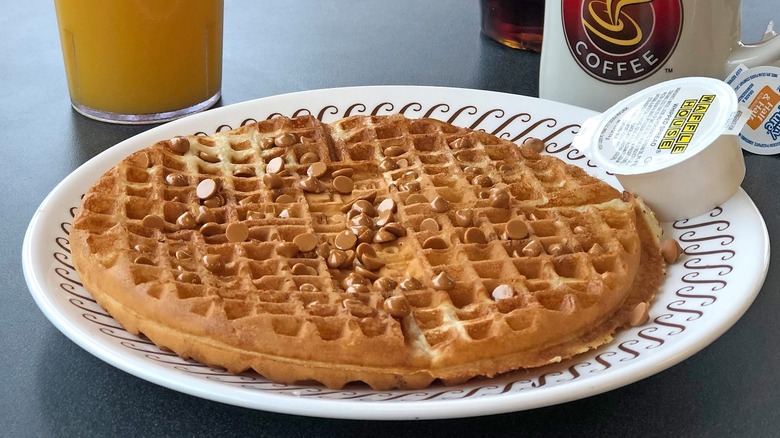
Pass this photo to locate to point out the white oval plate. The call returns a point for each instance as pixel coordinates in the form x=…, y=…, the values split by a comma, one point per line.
x=706, y=292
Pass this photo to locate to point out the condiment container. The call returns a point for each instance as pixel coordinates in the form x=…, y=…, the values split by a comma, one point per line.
x=673, y=144
x=758, y=88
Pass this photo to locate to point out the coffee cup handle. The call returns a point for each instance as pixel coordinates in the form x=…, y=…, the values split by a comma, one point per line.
x=764, y=52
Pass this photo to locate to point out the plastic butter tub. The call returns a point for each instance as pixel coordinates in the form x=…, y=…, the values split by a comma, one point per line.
x=674, y=145
x=758, y=89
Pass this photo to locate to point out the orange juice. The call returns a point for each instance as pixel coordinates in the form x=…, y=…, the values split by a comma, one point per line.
x=131, y=57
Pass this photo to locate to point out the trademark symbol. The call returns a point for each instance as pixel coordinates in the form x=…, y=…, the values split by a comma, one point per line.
x=668, y=69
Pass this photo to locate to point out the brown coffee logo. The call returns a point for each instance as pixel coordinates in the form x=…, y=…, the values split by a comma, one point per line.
x=621, y=41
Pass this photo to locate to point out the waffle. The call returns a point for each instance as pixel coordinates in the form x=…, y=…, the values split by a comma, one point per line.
x=380, y=249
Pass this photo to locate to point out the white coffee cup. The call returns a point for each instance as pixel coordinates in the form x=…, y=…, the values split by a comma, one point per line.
x=597, y=52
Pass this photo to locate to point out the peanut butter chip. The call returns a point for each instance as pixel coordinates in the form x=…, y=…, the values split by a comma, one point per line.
x=395, y=228
x=301, y=269
x=176, y=179
x=306, y=242
x=358, y=289
x=366, y=235
x=411, y=283
x=639, y=315
x=323, y=249
x=143, y=260
x=502, y=292
x=440, y=205
x=388, y=164
x=364, y=249
x=285, y=199
x=384, y=218
x=213, y=262
x=180, y=145
x=188, y=277
x=275, y=166
x=416, y=198
x=186, y=220
x=214, y=201
x=208, y=157
x=411, y=186
x=532, y=249
x=364, y=206
x=153, y=221
x=671, y=250
x=516, y=229
x=556, y=249
x=336, y=259
x=397, y=306
x=534, y=144
x=209, y=229
x=457, y=143
x=343, y=184
x=311, y=184
x=237, y=232
x=443, y=281
x=387, y=204
x=372, y=263
x=142, y=248
x=317, y=169
x=434, y=242
x=309, y=158
x=482, y=180
x=464, y=217
x=244, y=172
x=251, y=199
x=393, y=151
x=350, y=258
x=596, y=249
x=285, y=140
x=474, y=235
x=384, y=236
x=204, y=215
x=353, y=279
x=287, y=249
x=499, y=198
x=206, y=188
x=429, y=224
x=385, y=284
x=347, y=171
x=345, y=240
x=253, y=215
x=308, y=287
x=273, y=181
x=266, y=143
x=361, y=219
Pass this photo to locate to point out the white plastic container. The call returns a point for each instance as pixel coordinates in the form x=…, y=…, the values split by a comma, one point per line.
x=758, y=89
x=674, y=145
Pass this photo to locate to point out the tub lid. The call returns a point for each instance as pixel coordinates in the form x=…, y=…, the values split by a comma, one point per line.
x=661, y=125
x=758, y=88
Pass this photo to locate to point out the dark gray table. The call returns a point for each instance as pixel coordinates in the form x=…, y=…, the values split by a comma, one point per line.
x=51, y=387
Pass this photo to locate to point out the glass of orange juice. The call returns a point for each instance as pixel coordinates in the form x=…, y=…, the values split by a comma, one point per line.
x=141, y=61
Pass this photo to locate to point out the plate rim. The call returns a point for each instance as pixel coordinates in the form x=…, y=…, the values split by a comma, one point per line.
x=493, y=404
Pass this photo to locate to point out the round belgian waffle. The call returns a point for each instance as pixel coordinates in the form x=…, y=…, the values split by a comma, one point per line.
x=376, y=248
